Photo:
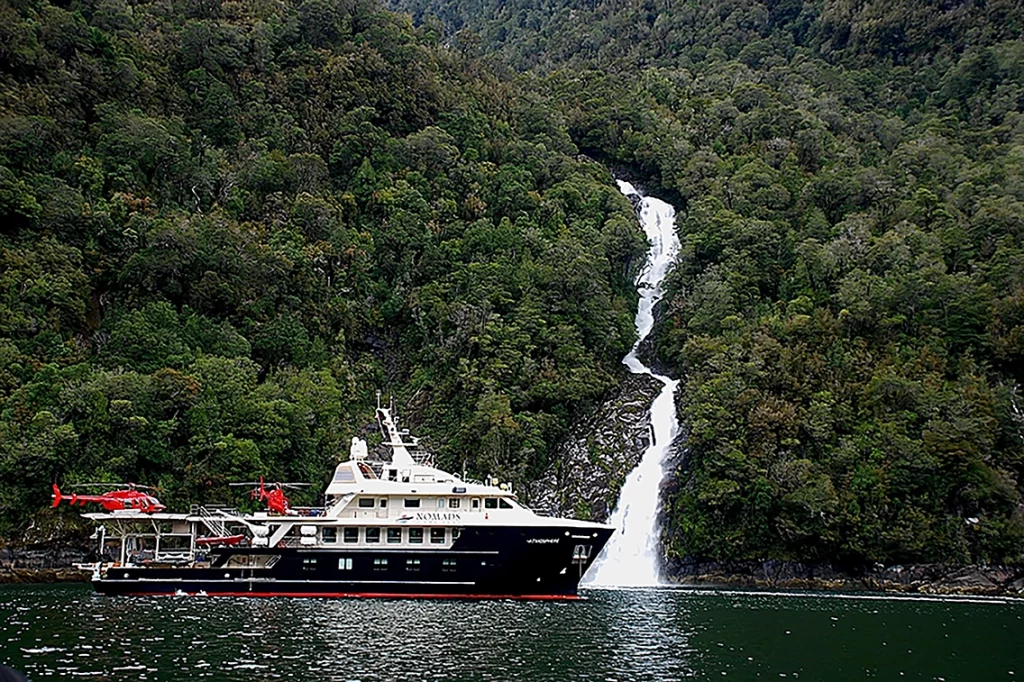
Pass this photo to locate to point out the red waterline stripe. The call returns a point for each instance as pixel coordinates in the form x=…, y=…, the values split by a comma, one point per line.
x=370, y=595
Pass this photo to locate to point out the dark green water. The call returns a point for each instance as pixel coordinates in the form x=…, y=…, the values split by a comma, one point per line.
x=67, y=633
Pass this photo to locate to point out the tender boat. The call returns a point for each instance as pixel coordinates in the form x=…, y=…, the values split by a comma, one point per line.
x=398, y=528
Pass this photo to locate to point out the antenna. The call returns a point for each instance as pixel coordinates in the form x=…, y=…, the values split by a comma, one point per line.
x=378, y=400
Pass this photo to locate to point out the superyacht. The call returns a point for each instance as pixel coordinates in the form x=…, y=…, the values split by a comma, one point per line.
x=397, y=528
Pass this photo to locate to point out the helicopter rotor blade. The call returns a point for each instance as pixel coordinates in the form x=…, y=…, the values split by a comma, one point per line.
x=129, y=486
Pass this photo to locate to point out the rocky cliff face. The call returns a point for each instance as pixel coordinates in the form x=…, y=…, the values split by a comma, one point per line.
x=601, y=450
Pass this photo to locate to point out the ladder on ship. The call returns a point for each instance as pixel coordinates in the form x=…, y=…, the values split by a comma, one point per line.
x=214, y=523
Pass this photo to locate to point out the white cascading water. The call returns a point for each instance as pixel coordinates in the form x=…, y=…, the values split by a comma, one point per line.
x=631, y=556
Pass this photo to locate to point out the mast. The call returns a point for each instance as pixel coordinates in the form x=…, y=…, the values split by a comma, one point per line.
x=400, y=457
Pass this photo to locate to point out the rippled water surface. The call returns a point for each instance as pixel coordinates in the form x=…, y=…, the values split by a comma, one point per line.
x=65, y=632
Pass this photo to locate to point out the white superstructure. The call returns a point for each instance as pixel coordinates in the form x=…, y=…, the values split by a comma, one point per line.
x=404, y=503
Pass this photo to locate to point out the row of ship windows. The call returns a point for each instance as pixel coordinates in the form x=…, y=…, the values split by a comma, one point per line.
x=452, y=503
x=382, y=564
x=393, y=536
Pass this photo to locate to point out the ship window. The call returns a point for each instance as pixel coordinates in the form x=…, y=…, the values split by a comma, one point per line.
x=394, y=536
x=384, y=503
x=416, y=536
x=329, y=534
x=373, y=534
x=456, y=532
x=504, y=504
x=453, y=503
x=448, y=565
x=490, y=503
x=366, y=502
x=412, y=564
x=440, y=503
x=309, y=564
x=412, y=503
x=351, y=535
x=476, y=504
x=380, y=564
x=437, y=536
x=344, y=475
x=345, y=564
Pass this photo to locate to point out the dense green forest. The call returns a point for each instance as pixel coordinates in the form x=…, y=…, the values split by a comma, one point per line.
x=225, y=225
x=848, y=313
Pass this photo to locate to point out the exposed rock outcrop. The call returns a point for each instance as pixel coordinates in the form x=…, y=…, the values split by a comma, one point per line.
x=600, y=451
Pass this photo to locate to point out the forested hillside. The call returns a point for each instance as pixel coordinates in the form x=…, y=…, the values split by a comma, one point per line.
x=225, y=225
x=848, y=314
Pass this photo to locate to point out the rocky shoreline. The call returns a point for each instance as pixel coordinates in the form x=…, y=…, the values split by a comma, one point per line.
x=48, y=565
x=924, y=579
x=43, y=564
x=17, y=576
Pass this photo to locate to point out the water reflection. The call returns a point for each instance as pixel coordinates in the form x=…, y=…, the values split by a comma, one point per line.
x=65, y=632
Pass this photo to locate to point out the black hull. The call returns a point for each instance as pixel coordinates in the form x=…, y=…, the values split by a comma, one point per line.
x=324, y=591
x=498, y=563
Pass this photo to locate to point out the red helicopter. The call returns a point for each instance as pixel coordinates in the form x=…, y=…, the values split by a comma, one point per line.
x=277, y=501
x=130, y=497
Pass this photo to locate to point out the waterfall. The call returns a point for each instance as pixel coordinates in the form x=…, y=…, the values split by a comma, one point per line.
x=1018, y=414
x=631, y=557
